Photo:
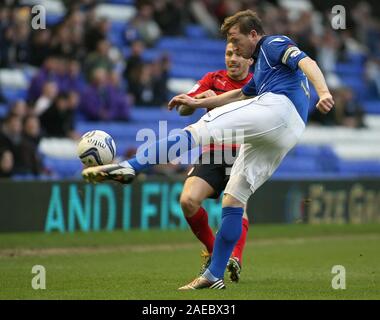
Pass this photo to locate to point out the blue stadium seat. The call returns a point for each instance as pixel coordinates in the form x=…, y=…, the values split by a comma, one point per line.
x=150, y=114
x=125, y=2
x=204, y=59
x=13, y=94
x=363, y=167
x=195, y=31
x=63, y=168
x=190, y=71
x=3, y=110
x=53, y=19
x=357, y=84
x=349, y=69
x=115, y=36
x=372, y=106
x=180, y=44
x=150, y=55
x=299, y=165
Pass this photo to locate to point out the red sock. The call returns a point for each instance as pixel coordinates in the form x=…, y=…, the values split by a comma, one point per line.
x=199, y=225
x=239, y=247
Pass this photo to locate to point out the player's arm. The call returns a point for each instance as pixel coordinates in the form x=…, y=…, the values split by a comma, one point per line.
x=314, y=74
x=210, y=102
x=202, y=89
x=184, y=110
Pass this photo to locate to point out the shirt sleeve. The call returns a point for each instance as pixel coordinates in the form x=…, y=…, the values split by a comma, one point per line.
x=250, y=88
x=202, y=85
x=283, y=50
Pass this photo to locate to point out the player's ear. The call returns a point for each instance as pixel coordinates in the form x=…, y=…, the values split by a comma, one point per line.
x=253, y=33
x=250, y=61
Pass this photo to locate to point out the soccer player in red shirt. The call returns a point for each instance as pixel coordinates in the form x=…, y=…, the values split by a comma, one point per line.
x=208, y=179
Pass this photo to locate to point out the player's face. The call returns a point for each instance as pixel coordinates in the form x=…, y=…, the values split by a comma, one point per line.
x=244, y=44
x=237, y=66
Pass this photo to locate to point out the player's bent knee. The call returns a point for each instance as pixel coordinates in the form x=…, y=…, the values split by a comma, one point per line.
x=189, y=205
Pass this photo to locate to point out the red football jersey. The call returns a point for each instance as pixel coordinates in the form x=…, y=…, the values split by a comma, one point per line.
x=219, y=82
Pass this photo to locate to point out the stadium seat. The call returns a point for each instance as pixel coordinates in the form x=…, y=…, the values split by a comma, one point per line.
x=14, y=94
x=364, y=167
x=53, y=19
x=3, y=110
x=195, y=31
x=63, y=168
x=177, y=85
x=115, y=36
x=348, y=69
x=357, y=84
x=300, y=165
x=180, y=44
x=115, y=12
x=13, y=78
x=372, y=106
x=123, y=2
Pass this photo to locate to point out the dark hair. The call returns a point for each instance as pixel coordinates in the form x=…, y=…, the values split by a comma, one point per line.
x=247, y=21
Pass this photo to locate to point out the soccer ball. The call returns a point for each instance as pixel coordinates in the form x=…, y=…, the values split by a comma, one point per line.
x=96, y=148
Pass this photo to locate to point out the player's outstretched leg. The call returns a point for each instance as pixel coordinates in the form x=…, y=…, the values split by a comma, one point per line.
x=155, y=153
x=226, y=238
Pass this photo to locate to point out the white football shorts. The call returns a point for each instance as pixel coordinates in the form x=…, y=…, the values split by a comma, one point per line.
x=266, y=126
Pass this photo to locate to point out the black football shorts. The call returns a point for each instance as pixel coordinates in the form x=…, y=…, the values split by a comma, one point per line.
x=212, y=168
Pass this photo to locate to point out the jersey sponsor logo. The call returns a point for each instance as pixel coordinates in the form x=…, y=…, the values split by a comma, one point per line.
x=223, y=83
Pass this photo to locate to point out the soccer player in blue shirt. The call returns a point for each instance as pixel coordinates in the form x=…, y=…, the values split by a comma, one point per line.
x=269, y=114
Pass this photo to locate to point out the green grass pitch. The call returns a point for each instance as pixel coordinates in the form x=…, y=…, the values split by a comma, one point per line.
x=280, y=262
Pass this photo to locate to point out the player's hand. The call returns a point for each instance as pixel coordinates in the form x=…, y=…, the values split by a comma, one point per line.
x=182, y=99
x=325, y=103
x=205, y=94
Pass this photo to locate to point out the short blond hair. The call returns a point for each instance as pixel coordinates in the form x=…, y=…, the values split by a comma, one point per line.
x=247, y=21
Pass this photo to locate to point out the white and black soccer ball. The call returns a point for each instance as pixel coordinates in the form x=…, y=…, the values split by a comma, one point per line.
x=96, y=148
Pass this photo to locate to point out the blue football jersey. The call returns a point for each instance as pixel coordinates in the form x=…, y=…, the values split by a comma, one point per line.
x=276, y=70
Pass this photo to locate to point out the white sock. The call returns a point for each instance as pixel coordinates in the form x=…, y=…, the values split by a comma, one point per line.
x=209, y=276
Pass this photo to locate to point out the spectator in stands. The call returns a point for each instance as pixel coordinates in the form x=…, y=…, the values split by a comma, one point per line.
x=49, y=72
x=148, y=85
x=102, y=101
x=45, y=100
x=143, y=26
x=30, y=160
x=10, y=137
x=171, y=16
x=19, y=108
x=372, y=73
x=59, y=119
x=40, y=47
x=6, y=163
x=32, y=129
x=99, y=58
x=72, y=79
x=62, y=41
x=134, y=62
x=10, y=133
x=95, y=31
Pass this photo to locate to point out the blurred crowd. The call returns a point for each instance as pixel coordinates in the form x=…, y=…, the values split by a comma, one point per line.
x=81, y=74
